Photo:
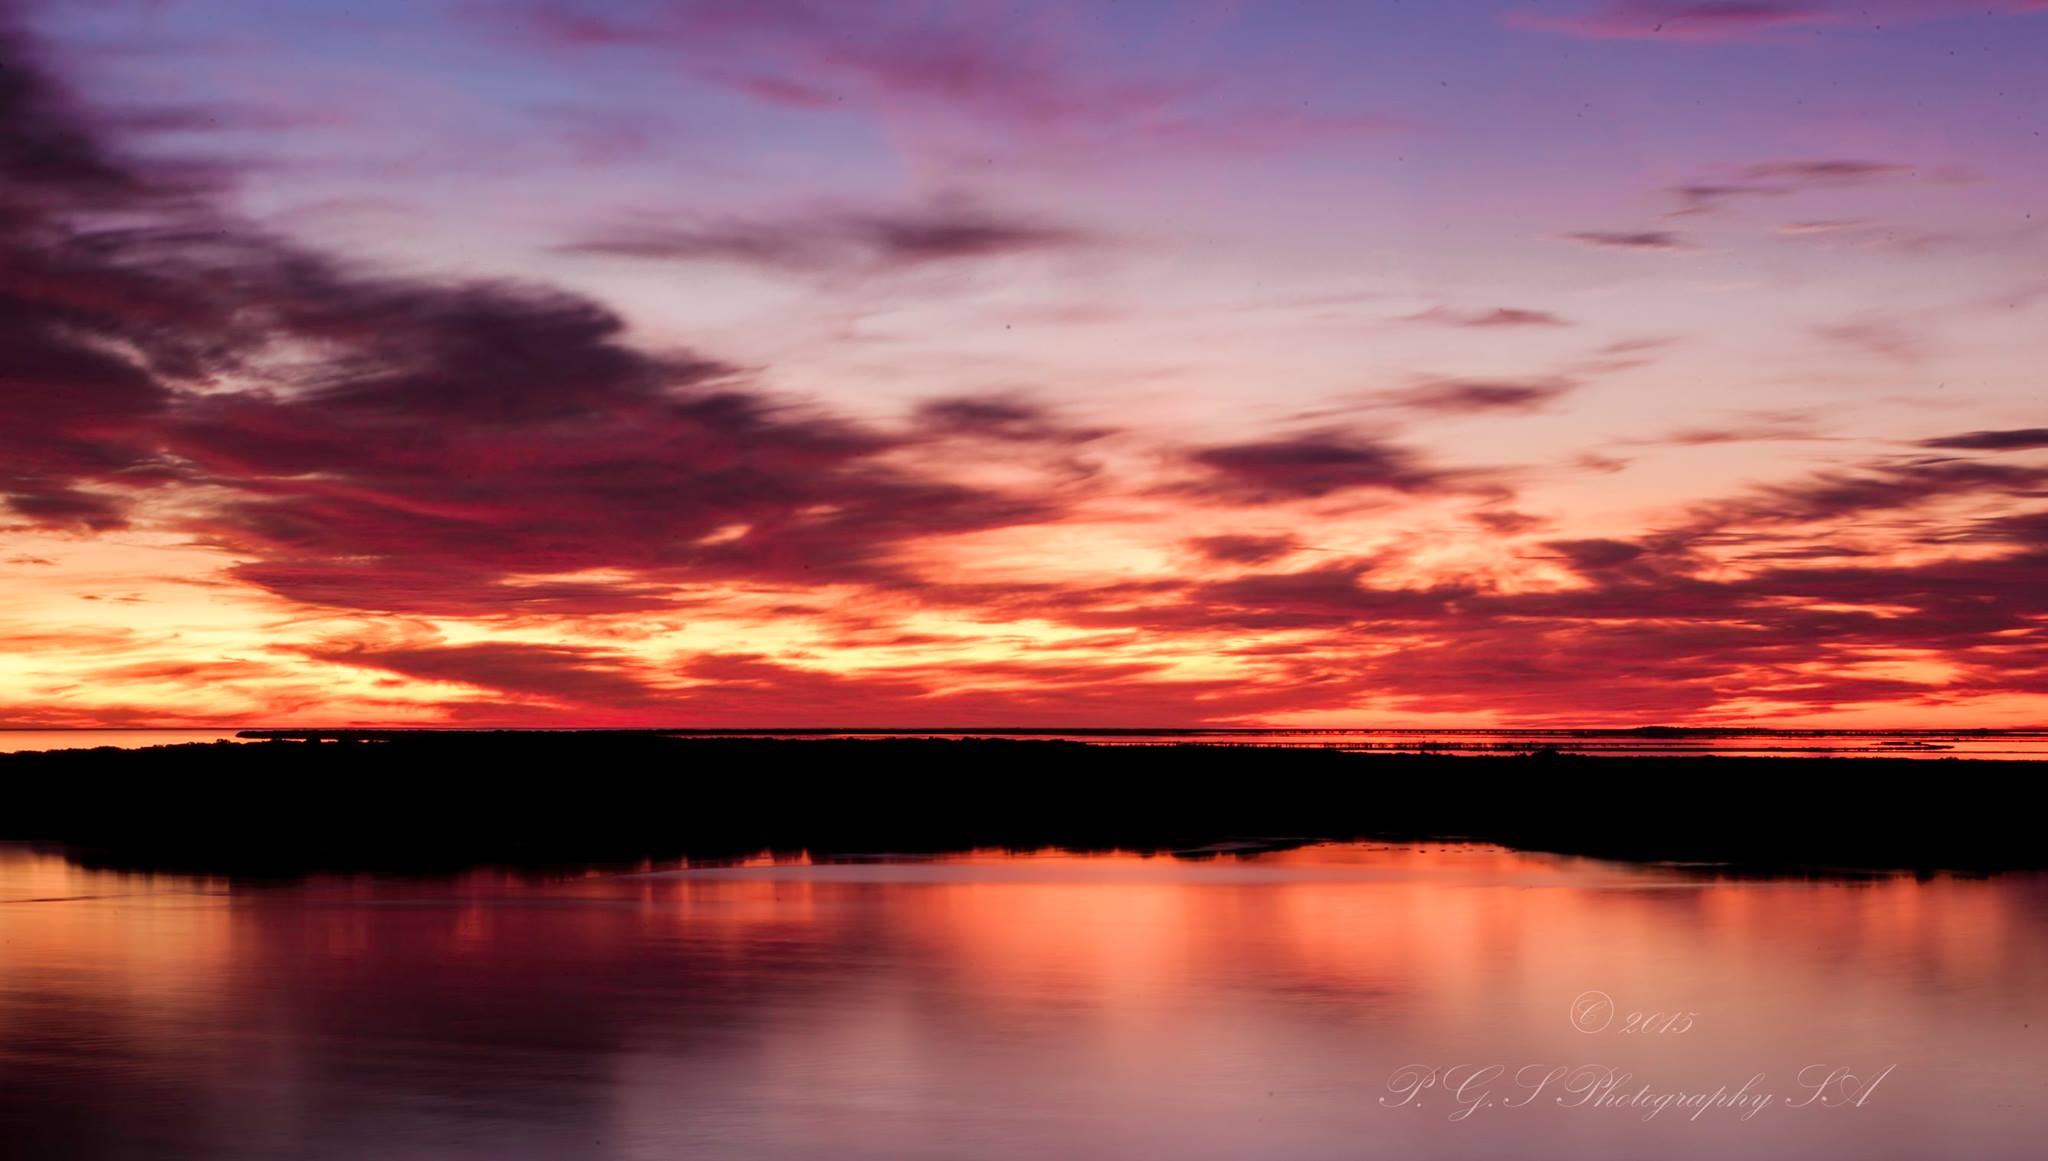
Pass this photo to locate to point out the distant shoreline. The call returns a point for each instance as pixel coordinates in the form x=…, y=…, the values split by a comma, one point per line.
x=1995, y=743
x=440, y=800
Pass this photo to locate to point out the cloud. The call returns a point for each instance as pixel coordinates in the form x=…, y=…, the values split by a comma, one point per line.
x=1737, y=606
x=407, y=444
x=1641, y=241
x=838, y=241
x=1777, y=179
x=1498, y=317
x=1475, y=397
x=87, y=342
x=1826, y=226
x=507, y=452
x=2017, y=439
x=1706, y=197
x=1825, y=171
x=1596, y=555
x=1000, y=416
x=1507, y=522
x=1885, y=337
x=488, y=432
x=1311, y=465
x=1242, y=548
x=559, y=674
x=1674, y=20
x=969, y=79
x=1754, y=426
x=1777, y=22
x=1881, y=487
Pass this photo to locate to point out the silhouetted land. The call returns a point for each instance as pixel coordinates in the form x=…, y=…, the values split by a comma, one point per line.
x=447, y=799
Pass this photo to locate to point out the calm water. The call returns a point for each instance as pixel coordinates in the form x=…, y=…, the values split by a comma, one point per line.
x=2004, y=745
x=1020, y=1007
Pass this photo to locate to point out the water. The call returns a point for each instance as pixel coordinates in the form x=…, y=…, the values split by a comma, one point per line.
x=996, y=1007
x=1997, y=744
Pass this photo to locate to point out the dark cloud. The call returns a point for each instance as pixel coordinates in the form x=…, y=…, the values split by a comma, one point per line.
x=1472, y=397
x=1705, y=197
x=407, y=444
x=839, y=240
x=1645, y=636
x=1243, y=549
x=52, y=162
x=1311, y=465
x=1835, y=495
x=1330, y=594
x=468, y=435
x=1825, y=171
x=2017, y=439
x=562, y=674
x=1596, y=555
x=1506, y=522
x=1737, y=606
x=87, y=338
x=1000, y=416
x=1777, y=179
x=1645, y=241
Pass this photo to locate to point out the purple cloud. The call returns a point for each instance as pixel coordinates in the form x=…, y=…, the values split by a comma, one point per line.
x=1672, y=20
x=1312, y=465
x=1641, y=241
x=2017, y=439
x=838, y=241
x=1475, y=397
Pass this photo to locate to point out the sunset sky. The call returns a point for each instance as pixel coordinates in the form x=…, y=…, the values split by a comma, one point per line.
x=1437, y=363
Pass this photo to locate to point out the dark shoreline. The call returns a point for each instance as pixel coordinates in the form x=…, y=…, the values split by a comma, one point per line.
x=441, y=800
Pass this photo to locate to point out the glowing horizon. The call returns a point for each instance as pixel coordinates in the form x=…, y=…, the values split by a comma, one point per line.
x=752, y=365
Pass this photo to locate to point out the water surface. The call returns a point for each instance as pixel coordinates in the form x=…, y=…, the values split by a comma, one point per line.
x=1277, y=1005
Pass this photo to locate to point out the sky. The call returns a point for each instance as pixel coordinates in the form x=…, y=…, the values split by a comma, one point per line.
x=1454, y=364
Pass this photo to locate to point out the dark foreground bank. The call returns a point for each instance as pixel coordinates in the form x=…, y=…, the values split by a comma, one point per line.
x=440, y=800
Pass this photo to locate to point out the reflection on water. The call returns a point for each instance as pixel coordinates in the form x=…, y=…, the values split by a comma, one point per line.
x=1044, y=1006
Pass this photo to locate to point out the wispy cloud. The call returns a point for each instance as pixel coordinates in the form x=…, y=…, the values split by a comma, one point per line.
x=2017, y=439
x=1474, y=397
x=1639, y=241
x=1746, y=21
x=1502, y=316
x=979, y=75
x=837, y=240
x=1677, y=21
